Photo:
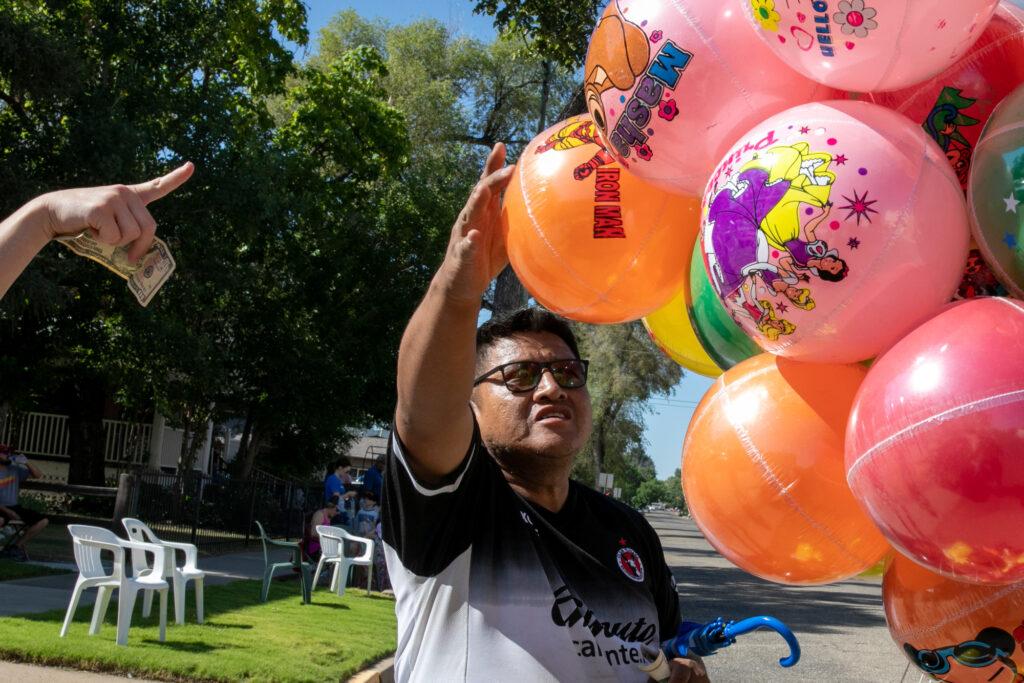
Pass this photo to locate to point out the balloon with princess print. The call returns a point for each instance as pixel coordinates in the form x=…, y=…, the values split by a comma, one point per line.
x=671, y=83
x=670, y=329
x=954, y=106
x=719, y=335
x=996, y=193
x=762, y=472
x=833, y=229
x=588, y=241
x=935, y=442
x=869, y=45
x=951, y=630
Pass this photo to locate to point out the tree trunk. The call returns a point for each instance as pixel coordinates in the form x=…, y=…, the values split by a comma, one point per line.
x=85, y=431
x=599, y=429
x=545, y=91
x=243, y=444
x=251, y=453
x=509, y=293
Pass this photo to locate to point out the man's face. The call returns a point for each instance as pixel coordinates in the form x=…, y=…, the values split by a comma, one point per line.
x=549, y=421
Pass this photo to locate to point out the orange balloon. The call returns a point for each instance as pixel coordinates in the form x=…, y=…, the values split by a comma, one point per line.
x=954, y=631
x=763, y=472
x=588, y=240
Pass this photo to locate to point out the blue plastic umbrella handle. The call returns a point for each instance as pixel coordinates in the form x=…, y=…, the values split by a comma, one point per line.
x=706, y=639
x=753, y=623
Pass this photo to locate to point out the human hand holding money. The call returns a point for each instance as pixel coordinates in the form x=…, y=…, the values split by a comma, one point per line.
x=112, y=226
x=113, y=214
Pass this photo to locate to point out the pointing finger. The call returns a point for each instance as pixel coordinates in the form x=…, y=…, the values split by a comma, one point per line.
x=160, y=187
x=495, y=160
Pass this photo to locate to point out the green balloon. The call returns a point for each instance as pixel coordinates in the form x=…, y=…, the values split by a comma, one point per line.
x=996, y=192
x=718, y=333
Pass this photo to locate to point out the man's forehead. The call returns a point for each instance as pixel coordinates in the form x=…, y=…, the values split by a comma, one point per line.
x=529, y=346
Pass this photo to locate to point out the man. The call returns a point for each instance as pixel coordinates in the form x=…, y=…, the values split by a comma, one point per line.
x=503, y=568
x=334, y=489
x=15, y=469
x=373, y=480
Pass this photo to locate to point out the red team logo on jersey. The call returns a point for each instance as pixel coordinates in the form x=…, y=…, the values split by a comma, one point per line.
x=630, y=564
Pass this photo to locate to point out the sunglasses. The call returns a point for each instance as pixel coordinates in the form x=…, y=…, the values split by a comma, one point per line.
x=524, y=375
x=975, y=654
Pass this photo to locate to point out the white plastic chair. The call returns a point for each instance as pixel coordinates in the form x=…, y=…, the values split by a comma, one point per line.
x=179, y=575
x=89, y=544
x=332, y=545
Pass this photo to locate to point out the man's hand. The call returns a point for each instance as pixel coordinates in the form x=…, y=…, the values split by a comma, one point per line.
x=688, y=671
x=476, y=250
x=116, y=214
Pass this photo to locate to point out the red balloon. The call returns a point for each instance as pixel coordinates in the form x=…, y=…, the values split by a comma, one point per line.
x=935, y=442
x=954, y=106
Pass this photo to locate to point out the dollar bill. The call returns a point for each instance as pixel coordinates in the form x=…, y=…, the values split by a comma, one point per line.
x=145, y=278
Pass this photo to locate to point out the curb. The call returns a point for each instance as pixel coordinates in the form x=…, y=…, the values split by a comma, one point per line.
x=381, y=672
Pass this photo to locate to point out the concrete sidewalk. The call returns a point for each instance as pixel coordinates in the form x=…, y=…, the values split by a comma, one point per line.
x=45, y=593
x=30, y=673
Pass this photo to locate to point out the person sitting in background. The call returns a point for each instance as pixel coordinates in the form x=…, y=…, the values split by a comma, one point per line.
x=15, y=469
x=334, y=489
x=311, y=539
x=369, y=513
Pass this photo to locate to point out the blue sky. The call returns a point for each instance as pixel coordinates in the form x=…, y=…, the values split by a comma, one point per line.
x=666, y=425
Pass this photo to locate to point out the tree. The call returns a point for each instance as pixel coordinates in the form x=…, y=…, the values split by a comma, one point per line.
x=460, y=97
x=559, y=30
x=294, y=271
x=674, y=491
x=626, y=369
x=650, y=491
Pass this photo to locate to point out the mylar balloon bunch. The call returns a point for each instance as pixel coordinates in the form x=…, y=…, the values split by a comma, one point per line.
x=788, y=193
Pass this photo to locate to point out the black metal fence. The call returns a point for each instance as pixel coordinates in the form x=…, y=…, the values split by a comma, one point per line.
x=217, y=514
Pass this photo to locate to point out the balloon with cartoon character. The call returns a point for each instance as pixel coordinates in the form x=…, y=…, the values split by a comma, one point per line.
x=954, y=106
x=935, y=442
x=588, y=241
x=719, y=335
x=762, y=472
x=953, y=631
x=832, y=229
x=869, y=45
x=995, y=193
x=670, y=329
x=670, y=84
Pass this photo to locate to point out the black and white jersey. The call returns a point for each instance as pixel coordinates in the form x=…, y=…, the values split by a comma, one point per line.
x=490, y=587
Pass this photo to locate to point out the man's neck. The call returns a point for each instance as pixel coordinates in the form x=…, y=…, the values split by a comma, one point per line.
x=543, y=484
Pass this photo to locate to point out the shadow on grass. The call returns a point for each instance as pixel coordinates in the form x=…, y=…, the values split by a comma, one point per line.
x=193, y=646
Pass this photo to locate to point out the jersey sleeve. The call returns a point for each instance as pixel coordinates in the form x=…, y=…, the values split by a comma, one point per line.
x=429, y=526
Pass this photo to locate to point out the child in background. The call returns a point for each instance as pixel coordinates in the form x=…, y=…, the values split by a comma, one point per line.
x=366, y=518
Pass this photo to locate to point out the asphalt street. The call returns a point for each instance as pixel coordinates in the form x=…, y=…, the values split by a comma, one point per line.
x=841, y=627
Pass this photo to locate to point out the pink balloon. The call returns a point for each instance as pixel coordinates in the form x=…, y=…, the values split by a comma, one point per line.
x=671, y=84
x=954, y=106
x=833, y=229
x=869, y=45
x=935, y=442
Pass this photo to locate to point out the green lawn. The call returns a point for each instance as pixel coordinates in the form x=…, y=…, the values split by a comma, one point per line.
x=242, y=639
x=9, y=569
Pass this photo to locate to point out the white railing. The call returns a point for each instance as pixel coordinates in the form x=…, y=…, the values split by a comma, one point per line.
x=46, y=434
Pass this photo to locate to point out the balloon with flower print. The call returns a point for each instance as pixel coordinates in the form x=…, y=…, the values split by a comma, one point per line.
x=671, y=83
x=832, y=229
x=869, y=45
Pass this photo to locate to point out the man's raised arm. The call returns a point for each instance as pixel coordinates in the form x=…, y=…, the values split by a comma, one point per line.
x=437, y=356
